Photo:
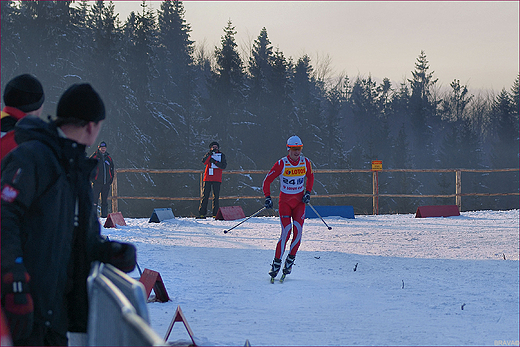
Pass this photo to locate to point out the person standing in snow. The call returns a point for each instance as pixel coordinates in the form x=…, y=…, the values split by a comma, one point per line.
x=103, y=177
x=215, y=162
x=23, y=95
x=296, y=182
x=50, y=231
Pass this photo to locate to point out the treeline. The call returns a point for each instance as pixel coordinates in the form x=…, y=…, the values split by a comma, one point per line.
x=168, y=97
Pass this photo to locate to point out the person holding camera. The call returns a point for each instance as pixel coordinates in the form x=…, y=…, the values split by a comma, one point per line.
x=296, y=181
x=215, y=162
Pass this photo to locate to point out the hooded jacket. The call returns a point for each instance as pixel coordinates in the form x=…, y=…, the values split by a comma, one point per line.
x=104, y=173
x=48, y=219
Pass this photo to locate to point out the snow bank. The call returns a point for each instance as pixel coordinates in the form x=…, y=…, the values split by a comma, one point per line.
x=418, y=281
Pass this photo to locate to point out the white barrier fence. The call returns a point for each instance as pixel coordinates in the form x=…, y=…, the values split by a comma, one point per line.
x=118, y=315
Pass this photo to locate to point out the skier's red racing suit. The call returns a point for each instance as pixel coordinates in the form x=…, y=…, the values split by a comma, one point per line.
x=292, y=187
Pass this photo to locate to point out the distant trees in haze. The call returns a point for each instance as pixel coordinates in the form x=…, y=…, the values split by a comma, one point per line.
x=167, y=98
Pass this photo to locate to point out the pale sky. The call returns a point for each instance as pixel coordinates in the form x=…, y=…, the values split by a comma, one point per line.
x=476, y=42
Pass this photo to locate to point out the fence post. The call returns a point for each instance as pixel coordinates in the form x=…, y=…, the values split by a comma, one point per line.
x=375, y=192
x=458, y=189
x=201, y=185
x=114, y=193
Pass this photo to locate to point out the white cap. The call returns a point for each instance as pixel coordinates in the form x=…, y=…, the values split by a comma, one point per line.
x=294, y=141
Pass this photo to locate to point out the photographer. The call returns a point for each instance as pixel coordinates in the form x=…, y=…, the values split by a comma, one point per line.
x=215, y=162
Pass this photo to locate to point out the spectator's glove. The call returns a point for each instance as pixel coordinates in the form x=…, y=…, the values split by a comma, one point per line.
x=306, y=197
x=268, y=202
x=17, y=302
x=121, y=255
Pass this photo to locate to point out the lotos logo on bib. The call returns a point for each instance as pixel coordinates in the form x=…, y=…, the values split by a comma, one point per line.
x=299, y=171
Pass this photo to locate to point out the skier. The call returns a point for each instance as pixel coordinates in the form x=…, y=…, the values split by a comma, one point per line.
x=294, y=194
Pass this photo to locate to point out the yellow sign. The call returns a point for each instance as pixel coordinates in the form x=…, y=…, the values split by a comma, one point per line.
x=377, y=165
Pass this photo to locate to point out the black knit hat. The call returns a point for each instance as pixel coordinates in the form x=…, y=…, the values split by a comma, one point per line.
x=81, y=101
x=102, y=144
x=214, y=143
x=24, y=92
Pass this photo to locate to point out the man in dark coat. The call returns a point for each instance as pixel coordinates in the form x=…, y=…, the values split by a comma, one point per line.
x=50, y=232
x=103, y=177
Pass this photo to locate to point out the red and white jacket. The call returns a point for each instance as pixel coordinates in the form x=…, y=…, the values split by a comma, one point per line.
x=295, y=177
x=215, y=162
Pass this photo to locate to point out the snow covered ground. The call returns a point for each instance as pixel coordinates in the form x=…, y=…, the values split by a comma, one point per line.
x=418, y=281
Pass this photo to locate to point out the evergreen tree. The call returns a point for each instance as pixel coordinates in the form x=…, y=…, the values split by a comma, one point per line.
x=515, y=90
x=402, y=182
x=12, y=48
x=331, y=140
x=369, y=119
x=422, y=111
x=174, y=87
x=453, y=106
x=281, y=92
x=49, y=35
x=460, y=147
x=260, y=70
x=505, y=147
x=161, y=93
x=140, y=42
x=504, y=152
x=399, y=113
x=176, y=51
x=104, y=68
x=332, y=132
x=226, y=96
x=307, y=107
x=141, y=38
x=259, y=101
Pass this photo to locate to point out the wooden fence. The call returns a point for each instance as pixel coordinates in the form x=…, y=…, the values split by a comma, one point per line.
x=375, y=195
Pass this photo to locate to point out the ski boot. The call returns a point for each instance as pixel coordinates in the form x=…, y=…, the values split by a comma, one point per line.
x=275, y=268
x=289, y=261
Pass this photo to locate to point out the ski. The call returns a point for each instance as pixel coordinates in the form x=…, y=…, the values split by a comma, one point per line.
x=272, y=280
x=282, y=278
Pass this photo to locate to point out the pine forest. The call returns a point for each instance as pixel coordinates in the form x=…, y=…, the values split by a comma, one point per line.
x=167, y=97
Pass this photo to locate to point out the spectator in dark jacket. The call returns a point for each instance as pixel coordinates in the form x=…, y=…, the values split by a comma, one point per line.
x=103, y=177
x=23, y=95
x=50, y=232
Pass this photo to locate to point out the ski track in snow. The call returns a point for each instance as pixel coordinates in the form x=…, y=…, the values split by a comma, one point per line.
x=418, y=281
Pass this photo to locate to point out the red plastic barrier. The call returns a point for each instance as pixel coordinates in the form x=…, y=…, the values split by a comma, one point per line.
x=114, y=219
x=437, y=211
x=230, y=213
x=152, y=280
x=179, y=317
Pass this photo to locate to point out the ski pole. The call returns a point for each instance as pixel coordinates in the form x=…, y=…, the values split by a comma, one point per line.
x=318, y=215
x=251, y=216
